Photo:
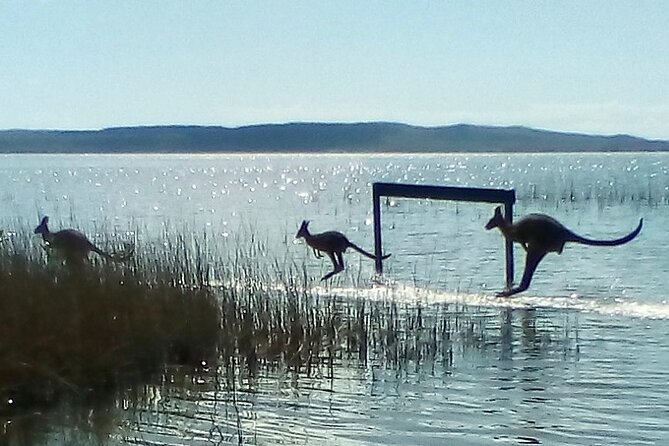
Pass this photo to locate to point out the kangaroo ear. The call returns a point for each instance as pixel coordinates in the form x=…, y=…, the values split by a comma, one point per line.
x=42, y=225
x=498, y=210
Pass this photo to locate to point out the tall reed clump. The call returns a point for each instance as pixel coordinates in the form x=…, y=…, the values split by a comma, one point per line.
x=74, y=332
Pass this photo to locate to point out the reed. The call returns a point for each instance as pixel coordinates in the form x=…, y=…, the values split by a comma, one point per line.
x=644, y=192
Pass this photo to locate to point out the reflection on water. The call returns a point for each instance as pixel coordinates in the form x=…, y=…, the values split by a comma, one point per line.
x=402, y=373
x=399, y=371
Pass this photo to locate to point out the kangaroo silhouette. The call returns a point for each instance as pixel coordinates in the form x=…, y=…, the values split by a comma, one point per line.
x=334, y=244
x=74, y=245
x=540, y=234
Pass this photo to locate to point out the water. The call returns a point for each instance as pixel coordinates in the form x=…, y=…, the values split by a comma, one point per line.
x=581, y=358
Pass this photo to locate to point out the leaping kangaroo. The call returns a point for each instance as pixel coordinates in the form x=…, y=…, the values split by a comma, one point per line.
x=540, y=234
x=334, y=244
x=74, y=245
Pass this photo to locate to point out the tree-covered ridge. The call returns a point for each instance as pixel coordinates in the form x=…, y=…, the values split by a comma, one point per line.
x=317, y=137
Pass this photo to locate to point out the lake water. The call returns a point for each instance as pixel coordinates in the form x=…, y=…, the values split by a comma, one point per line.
x=582, y=357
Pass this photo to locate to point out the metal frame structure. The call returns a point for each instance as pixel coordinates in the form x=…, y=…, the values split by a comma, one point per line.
x=507, y=197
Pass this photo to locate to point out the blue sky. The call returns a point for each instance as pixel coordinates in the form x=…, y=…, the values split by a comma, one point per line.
x=582, y=66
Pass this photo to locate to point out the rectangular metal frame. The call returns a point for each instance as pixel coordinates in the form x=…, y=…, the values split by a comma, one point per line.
x=507, y=197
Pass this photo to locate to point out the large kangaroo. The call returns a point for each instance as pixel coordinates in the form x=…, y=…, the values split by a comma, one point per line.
x=334, y=244
x=540, y=234
x=74, y=245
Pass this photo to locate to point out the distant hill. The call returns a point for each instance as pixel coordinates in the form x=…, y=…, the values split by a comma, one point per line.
x=317, y=137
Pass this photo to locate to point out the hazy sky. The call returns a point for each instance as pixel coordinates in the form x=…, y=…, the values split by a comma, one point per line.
x=584, y=66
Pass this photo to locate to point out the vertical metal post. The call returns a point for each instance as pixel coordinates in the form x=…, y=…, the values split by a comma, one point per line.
x=508, y=216
x=376, y=206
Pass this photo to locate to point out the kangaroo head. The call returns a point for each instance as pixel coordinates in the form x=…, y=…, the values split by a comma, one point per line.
x=43, y=227
x=304, y=229
x=496, y=220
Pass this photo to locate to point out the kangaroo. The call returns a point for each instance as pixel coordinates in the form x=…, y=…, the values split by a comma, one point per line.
x=540, y=234
x=334, y=244
x=74, y=245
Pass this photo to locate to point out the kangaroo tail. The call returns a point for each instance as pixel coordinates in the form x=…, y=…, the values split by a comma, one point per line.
x=365, y=253
x=114, y=257
x=619, y=241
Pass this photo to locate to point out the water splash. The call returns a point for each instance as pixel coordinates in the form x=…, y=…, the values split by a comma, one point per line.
x=411, y=294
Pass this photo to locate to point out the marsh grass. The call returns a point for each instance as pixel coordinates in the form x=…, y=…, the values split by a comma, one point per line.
x=75, y=331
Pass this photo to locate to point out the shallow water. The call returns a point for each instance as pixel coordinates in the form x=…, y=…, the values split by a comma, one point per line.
x=581, y=358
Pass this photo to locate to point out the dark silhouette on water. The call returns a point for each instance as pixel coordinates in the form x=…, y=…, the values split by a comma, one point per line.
x=74, y=245
x=540, y=234
x=334, y=244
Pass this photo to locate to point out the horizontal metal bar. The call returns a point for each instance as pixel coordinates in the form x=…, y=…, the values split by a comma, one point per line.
x=453, y=193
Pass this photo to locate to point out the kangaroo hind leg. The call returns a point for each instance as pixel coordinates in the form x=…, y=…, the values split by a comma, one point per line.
x=340, y=261
x=338, y=267
x=532, y=260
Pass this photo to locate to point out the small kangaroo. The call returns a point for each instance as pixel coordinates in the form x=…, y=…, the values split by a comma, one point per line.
x=334, y=244
x=540, y=234
x=74, y=245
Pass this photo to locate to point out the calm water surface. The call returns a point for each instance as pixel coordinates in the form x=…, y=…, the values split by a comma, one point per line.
x=581, y=358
